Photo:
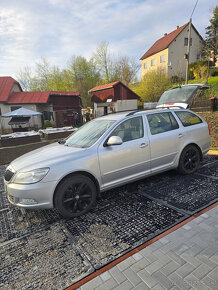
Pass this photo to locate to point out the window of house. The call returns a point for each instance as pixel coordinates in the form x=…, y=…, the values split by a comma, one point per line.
x=145, y=65
x=186, y=41
x=161, y=122
x=153, y=62
x=163, y=69
x=188, y=118
x=163, y=58
x=129, y=130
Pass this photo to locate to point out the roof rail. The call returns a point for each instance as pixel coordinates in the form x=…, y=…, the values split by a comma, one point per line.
x=142, y=110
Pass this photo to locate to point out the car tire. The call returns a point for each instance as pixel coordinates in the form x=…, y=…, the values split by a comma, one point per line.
x=189, y=160
x=75, y=196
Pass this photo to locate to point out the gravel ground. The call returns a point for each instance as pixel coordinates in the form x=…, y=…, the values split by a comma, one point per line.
x=39, y=249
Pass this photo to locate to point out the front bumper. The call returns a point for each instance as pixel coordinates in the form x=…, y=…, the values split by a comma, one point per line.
x=31, y=196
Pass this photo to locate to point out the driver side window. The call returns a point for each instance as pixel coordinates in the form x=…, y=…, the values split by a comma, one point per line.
x=130, y=129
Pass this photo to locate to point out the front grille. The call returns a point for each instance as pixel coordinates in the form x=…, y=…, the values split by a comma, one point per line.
x=8, y=175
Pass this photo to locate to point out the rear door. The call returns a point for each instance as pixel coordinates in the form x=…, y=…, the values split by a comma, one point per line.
x=166, y=140
x=128, y=161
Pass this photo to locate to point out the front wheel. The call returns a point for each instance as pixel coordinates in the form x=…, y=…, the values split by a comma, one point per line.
x=189, y=160
x=75, y=196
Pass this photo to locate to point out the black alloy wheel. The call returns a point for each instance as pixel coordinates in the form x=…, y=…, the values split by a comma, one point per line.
x=189, y=160
x=75, y=196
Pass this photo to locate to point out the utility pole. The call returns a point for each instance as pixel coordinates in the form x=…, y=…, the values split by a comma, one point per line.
x=187, y=55
x=188, y=51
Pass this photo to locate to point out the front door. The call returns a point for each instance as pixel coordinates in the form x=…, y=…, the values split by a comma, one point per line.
x=128, y=161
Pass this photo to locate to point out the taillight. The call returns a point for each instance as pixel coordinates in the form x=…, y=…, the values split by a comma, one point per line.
x=208, y=128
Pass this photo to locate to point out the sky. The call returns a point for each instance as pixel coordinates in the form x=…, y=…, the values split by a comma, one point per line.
x=58, y=29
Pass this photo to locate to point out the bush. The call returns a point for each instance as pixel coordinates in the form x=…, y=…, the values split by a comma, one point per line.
x=152, y=86
x=177, y=79
x=199, y=69
x=47, y=124
x=213, y=72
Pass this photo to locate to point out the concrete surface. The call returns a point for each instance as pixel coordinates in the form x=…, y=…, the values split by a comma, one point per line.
x=185, y=259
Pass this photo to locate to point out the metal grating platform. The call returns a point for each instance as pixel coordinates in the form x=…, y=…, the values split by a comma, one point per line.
x=108, y=232
x=41, y=260
x=189, y=193
x=39, y=249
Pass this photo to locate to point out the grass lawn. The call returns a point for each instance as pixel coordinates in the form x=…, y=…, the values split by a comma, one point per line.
x=211, y=81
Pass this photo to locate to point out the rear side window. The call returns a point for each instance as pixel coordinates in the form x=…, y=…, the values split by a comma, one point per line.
x=162, y=122
x=188, y=118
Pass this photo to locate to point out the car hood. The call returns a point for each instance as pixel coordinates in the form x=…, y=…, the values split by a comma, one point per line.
x=45, y=157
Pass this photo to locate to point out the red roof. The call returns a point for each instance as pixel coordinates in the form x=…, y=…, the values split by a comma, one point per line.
x=6, y=85
x=107, y=91
x=103, y=87
x=36, y=97
x=10, y=97
x=165, y=41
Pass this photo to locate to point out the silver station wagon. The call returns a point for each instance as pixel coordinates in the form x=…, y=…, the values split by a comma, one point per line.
x=105, y=153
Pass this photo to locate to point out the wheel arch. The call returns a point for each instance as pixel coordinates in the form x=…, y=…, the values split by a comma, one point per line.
x=85, y=173
x=194, y=144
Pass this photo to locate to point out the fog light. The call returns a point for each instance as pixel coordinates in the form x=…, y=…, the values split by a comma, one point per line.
x=27, y=201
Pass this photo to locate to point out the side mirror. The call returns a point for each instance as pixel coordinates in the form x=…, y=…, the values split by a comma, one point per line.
x=114, y=140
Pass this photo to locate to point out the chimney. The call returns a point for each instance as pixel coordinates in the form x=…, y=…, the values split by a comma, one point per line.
x=165, y=34
x=177, y=26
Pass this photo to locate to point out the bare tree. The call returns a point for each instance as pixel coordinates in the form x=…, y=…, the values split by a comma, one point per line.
x=24, y=77
x=103, y=60
x=126, y=69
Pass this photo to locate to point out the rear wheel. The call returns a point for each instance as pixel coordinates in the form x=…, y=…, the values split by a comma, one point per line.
x=189, y=160
x=75, y=196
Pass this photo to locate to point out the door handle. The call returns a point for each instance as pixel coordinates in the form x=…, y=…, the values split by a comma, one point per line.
x=181, y=135
x=143, y=145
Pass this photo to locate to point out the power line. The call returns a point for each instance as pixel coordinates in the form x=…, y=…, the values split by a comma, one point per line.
x=194, y=8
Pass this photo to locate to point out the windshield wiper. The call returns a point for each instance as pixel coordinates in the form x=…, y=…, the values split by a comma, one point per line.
x=74, y=145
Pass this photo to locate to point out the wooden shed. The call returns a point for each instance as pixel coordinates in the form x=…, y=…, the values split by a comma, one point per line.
x=113, y=97
x=62, y=108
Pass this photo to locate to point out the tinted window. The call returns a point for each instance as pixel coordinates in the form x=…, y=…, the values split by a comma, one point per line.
x=161, y=122
x=129, y=130
x=178, y=95
x=188, y=118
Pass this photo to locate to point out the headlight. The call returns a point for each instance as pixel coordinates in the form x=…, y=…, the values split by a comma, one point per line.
x=32, y=176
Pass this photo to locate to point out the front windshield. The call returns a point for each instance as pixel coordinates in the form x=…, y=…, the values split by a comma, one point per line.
x=178, y=95
x=89, y=133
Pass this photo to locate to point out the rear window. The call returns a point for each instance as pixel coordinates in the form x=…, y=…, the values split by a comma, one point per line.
x=178, y=95
x=188, y=118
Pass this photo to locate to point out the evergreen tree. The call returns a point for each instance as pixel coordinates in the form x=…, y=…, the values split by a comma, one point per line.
x=211, y=41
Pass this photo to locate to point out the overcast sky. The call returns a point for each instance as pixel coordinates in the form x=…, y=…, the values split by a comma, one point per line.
x=58, y=29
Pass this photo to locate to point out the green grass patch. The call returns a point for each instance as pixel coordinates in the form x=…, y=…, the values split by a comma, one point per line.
x=211, y=81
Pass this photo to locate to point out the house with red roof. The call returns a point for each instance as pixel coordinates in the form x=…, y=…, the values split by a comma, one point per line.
x=113, y=97
x=59, y=107
x=167, y=53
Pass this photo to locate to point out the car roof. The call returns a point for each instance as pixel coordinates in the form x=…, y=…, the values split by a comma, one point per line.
x=122, y=115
